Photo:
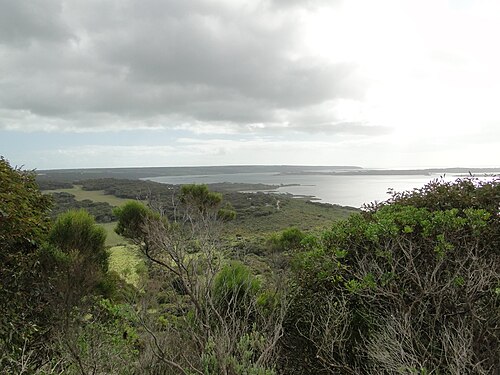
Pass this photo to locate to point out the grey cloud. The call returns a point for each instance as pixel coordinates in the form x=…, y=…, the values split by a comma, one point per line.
x=190, y=61
x=22, y=22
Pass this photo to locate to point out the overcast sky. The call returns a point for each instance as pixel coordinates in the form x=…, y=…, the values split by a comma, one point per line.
x=105, y=83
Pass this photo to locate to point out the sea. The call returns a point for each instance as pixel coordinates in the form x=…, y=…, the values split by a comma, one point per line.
x=344, y=190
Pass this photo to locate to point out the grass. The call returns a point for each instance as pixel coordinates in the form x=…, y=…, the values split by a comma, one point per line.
x=112, y=238
x=126, y=260
x=96, y=196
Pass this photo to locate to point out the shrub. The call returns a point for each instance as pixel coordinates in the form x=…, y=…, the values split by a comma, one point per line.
x=77, y=231
x=131, y=219
x=235, y=287
x=409, y=285
x=24, y=223
x=289, y=239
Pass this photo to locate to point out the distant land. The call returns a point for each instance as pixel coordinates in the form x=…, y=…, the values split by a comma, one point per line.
x=401, y=172
x=71, y=175
x=146, y=172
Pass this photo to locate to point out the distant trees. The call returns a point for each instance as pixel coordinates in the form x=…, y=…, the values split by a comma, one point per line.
x=409, y=286
x=102, y=211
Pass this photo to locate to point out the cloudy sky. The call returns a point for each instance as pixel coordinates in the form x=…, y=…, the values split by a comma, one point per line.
x=102, y=83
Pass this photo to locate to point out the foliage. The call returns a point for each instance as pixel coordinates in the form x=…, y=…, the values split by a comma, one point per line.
x=23, y=210
x=199, y=200
x=75, y=232
x=234, y=285
x=102, y=211
x=131, y=219
x=288, y=240
x=406, y=285
x=23, y=226
x=210, y=322
x=226, y=213
x=100, y=338
x=47, y=184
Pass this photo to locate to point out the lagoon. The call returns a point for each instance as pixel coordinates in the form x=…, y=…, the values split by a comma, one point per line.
x=344, y=190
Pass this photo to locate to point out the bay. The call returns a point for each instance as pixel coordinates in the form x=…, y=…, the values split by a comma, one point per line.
x=344, y=190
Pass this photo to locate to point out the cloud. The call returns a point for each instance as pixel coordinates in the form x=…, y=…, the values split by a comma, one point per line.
x=361, y=79
x=188, y=62
x=23, y=22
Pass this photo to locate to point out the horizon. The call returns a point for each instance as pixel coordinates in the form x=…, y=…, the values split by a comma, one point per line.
x=353, y=167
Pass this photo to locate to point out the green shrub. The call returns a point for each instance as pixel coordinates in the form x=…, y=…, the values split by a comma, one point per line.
x=288, y=240
x=77, y=231
x=235, y=286
x=131, y=218
x=408, y=284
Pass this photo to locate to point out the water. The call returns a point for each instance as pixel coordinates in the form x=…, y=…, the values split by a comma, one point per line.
x=343, y=190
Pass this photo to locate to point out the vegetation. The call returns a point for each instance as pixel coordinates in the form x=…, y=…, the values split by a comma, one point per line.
x=409, y=286
x=205, y=282
x=63, y=202
x=211, y=322
x=96, y=195
x=24, y=222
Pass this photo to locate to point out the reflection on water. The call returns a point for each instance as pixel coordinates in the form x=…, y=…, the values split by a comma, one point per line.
x=343, y=190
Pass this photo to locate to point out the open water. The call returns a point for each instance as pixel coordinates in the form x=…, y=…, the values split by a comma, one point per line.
x=343, y=190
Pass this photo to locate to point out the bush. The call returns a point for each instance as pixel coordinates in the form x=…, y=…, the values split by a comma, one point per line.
x=24, y=223
x=234, y=287
x=409, y=286
x=289, y=239
x=77, y=231
x=131, y=219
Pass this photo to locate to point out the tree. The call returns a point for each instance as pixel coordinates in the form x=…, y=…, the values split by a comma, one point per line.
x=77, y=231
x=24, y=210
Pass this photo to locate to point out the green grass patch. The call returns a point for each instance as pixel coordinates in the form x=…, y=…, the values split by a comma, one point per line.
x=95, y=196
x=112, y=238
x=126, y=261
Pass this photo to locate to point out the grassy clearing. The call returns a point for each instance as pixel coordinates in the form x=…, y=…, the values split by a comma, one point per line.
x=112, y=238
x=96, y=196
x=126, y=260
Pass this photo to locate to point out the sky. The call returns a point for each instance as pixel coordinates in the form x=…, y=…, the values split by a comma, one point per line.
x=381, y=84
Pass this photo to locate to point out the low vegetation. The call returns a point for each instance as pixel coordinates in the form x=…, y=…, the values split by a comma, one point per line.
x=194, y=281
